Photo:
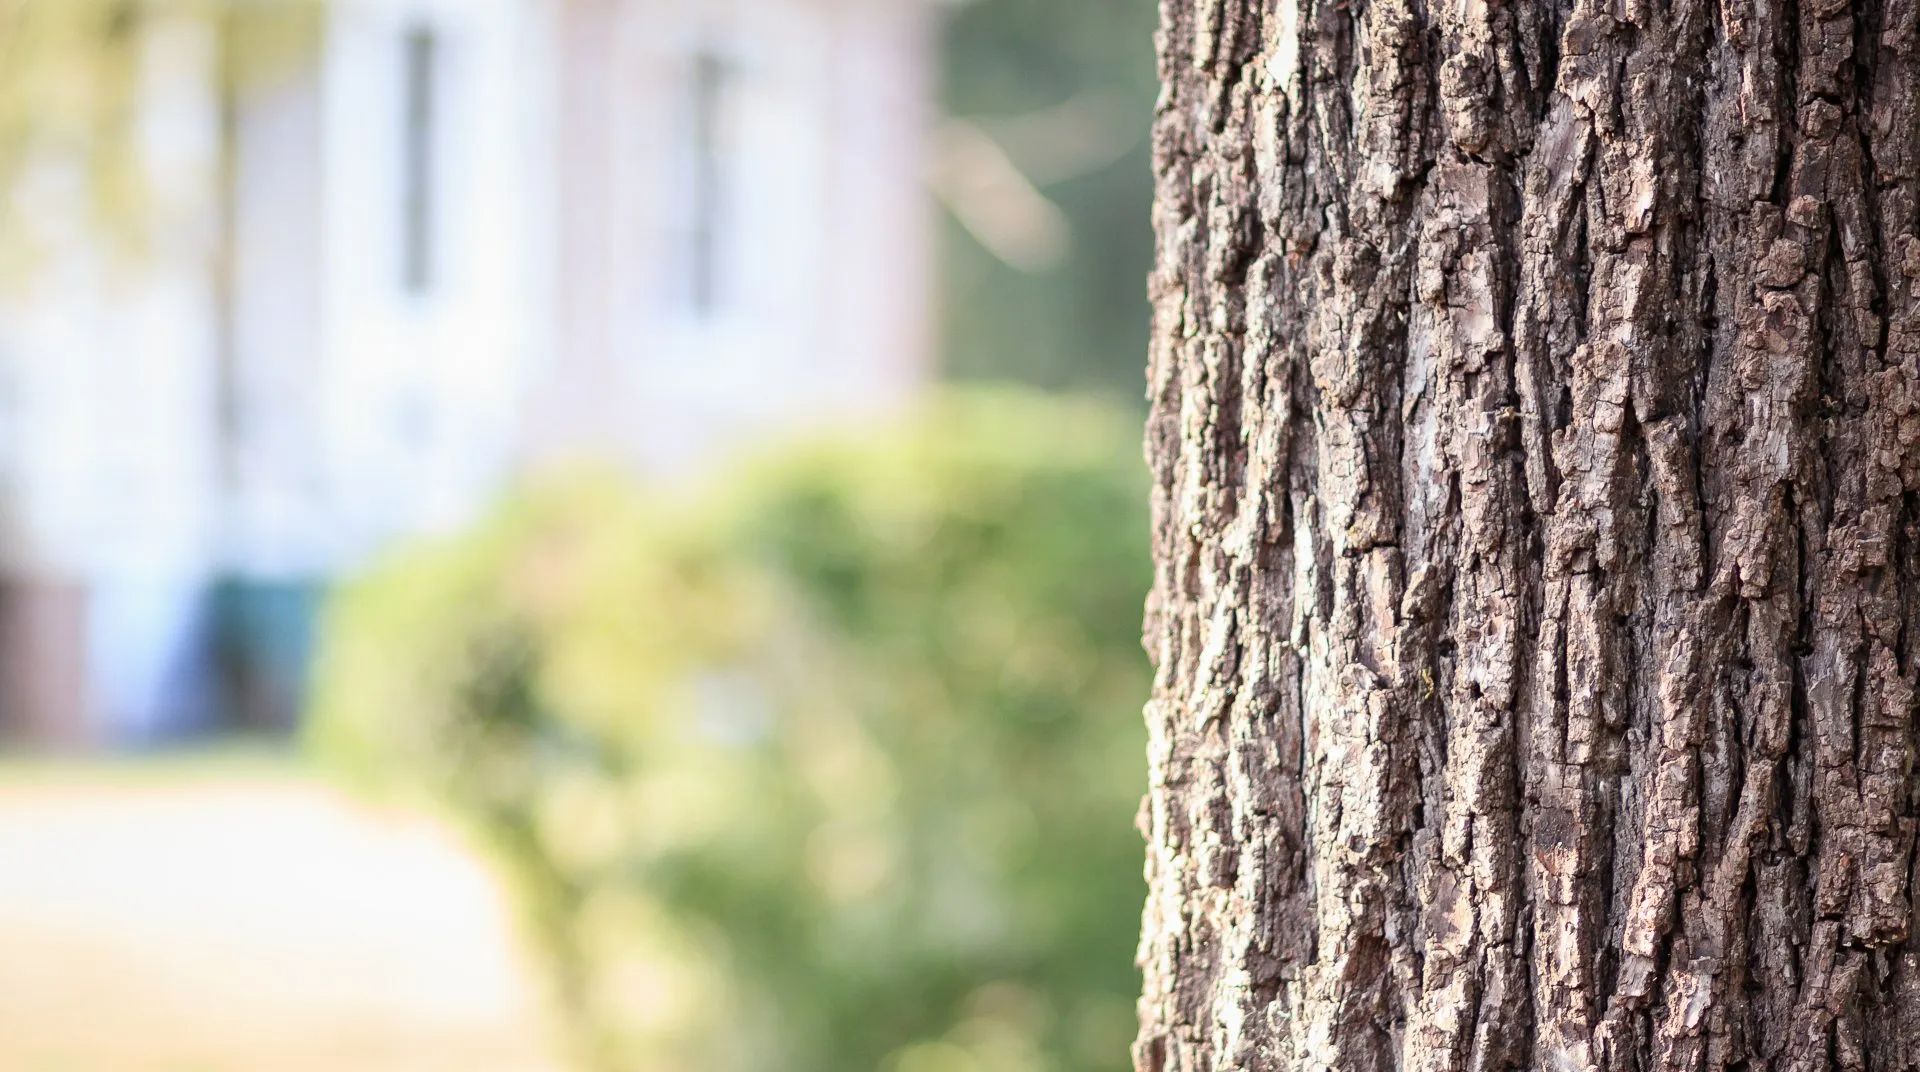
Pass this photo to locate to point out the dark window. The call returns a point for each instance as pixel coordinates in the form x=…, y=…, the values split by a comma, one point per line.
x=711, y=75
x=417, y=161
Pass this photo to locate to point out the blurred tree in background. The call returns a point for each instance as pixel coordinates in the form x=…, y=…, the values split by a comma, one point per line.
x=71, y=80
x=832, y=769
x=1043, y=165
x=68, y=86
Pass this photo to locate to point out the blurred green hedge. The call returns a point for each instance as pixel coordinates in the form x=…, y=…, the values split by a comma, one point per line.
x=830, y=769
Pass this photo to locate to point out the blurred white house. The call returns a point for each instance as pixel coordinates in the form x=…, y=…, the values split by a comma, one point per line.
x=460, y=238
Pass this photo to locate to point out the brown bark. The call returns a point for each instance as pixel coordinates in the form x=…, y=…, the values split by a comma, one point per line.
x=1536, y=431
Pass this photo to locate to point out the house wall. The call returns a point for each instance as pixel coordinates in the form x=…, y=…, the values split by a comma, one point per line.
x=276, y=499
x=195, y=445
x=108, y=356
x=420, y=381
x=808, y=199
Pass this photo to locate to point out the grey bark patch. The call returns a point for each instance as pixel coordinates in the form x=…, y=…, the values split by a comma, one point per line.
x=1536, y=430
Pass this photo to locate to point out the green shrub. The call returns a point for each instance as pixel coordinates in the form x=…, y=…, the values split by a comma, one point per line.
x=831, y=770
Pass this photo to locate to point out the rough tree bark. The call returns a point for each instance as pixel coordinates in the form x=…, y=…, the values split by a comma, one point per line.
x=1536, y=431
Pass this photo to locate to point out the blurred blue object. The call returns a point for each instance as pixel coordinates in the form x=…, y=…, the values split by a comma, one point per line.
x=263, y=642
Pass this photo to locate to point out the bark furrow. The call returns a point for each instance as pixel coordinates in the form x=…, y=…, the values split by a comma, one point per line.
x=1536, y=431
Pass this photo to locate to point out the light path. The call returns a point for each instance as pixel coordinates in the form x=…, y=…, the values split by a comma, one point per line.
x=247, y=922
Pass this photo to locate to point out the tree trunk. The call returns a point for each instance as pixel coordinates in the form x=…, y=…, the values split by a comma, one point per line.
x=1536, y=431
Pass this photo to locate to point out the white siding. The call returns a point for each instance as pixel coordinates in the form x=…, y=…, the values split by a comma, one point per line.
x=420, y=390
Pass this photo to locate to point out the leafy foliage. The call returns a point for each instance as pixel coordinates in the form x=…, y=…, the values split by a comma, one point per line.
x=74, y=76
x=833, y=770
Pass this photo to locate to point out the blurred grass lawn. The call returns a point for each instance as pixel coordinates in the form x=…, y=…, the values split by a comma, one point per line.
x=229, y=912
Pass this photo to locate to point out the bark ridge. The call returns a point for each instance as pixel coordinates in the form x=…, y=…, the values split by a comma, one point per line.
x=1536, y=436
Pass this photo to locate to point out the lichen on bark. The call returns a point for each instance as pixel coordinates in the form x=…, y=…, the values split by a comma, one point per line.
x=1536, y=430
